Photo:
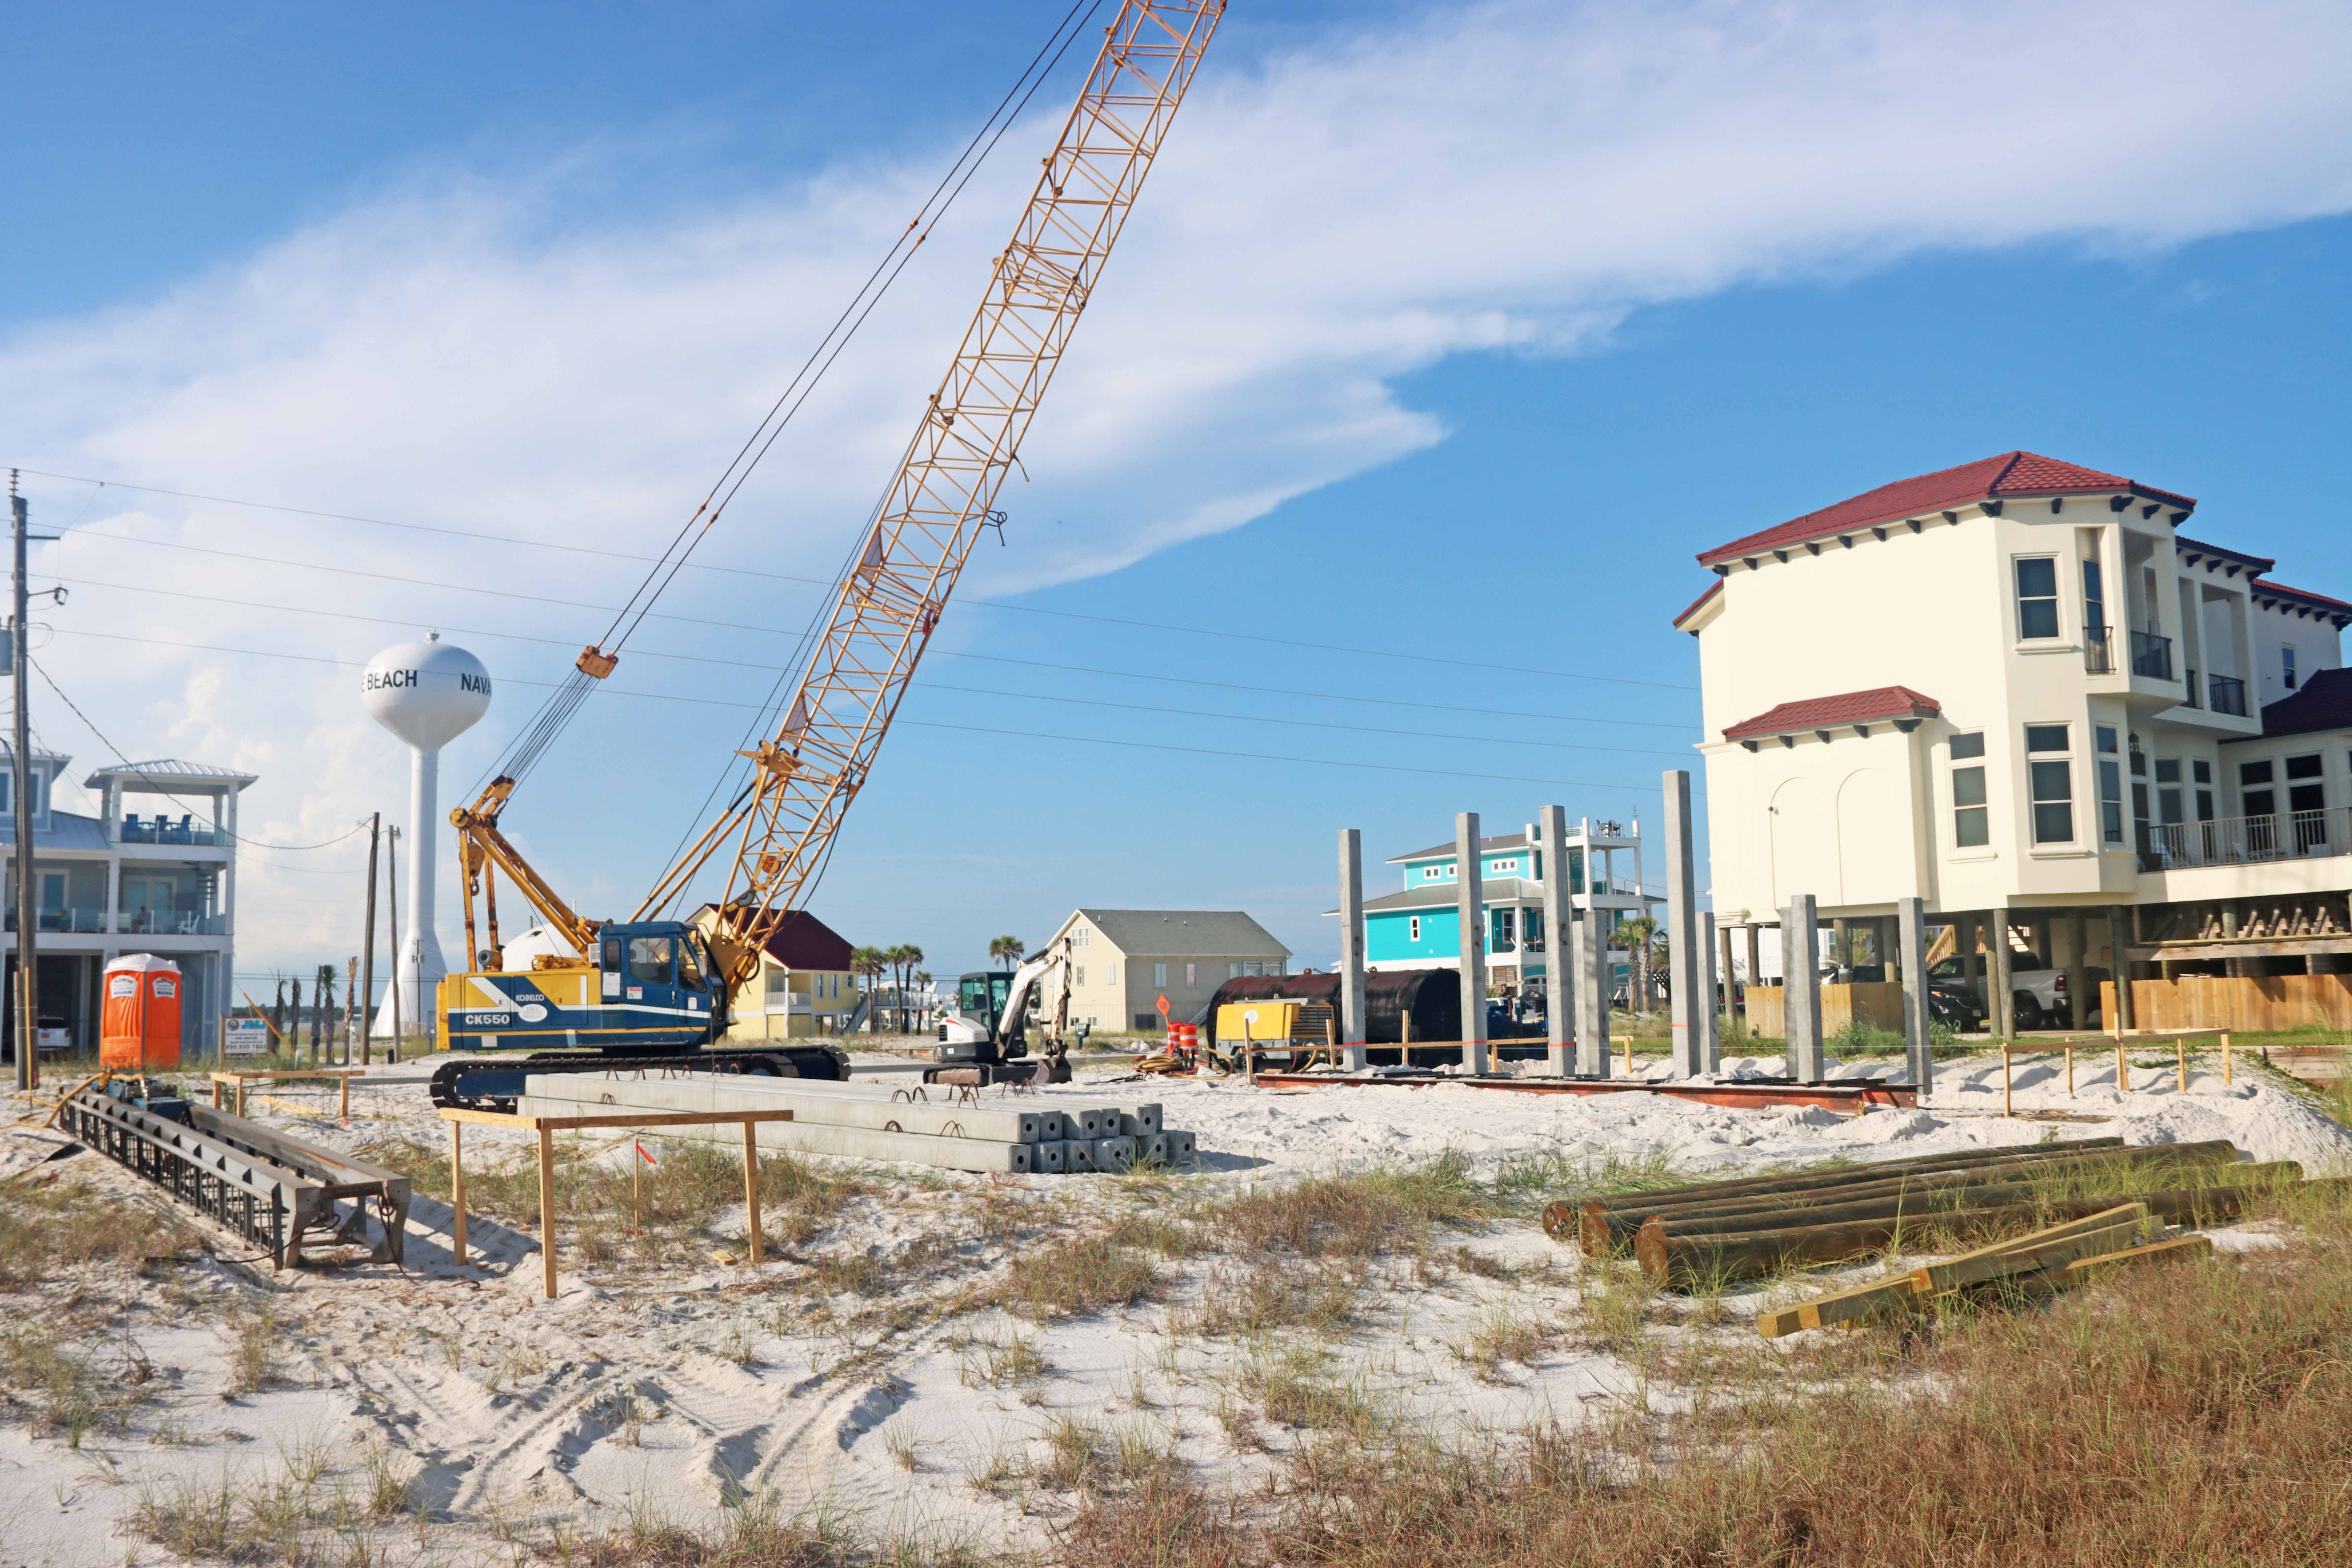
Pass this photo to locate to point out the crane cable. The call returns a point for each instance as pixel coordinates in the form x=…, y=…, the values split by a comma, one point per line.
x=557, y=711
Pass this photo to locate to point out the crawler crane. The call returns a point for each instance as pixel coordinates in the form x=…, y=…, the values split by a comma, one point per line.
x=650, y=990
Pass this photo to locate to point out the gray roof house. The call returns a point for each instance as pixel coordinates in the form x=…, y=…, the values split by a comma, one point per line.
x=1125, y=962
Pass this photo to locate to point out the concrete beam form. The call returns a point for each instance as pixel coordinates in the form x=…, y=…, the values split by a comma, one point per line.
x=1911, y=921
x=1590, y=947
x=1684, y=965
x=585, y=1093
x=1559, y=967
x=1470, y=908
x=852, y=1142
x=1710, y=1015
x=1352, y=946
x=1801, y=988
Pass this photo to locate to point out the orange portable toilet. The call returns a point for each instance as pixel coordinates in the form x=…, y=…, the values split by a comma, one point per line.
x=141, y=1024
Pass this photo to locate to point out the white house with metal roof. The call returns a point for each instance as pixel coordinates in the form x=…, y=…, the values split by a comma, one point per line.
x=161, y=878
x=1123, y=961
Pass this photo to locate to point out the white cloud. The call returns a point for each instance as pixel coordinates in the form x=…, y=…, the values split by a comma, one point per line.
x=1510, y=177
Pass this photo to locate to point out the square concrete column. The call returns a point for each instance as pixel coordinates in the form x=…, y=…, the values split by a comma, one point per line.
x=1686, y=965
x=1558, y=911
x=1801, y=987
x=2002, y=1019
x=1352, y=946
x=2126, y=1017
x=1710, y=1020
x=1591, y=950
x=2080, y=996
x=1911, y=919
x=1730, y=982
x=1470, y=908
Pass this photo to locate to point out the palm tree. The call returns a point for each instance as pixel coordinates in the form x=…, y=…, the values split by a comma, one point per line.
x=906, y=955
x=921, y=981
x=867, y=961
x=1634, y=936
x=1007, y=951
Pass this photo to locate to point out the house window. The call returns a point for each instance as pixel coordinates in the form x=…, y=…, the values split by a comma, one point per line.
x=2095, y=598
x=1507, y=931
x=2286, y=666
x=6, y=779
x=2255, y=789
x=2139, y=789
x=2201, y=771
x=1972, y=828
x=1412, y=928
x=53, y=891
x=1431, y=873
x=2168, y=791
x=1505, y=868
x=1191, y=974
x=1077, y=974
x=2037, y=596
x=2050, y=783
x=1160, y=974
x=1082, y=938
x=2111, y=785
x=2305, y=796
x=1110, y=974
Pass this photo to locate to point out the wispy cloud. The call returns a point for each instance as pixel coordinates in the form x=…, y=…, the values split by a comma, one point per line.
x=1512, y=177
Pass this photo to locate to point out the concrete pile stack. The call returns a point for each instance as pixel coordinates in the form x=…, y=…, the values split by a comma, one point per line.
x=871, y=1122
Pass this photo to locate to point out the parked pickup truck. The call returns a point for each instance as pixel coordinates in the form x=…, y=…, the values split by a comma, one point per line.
x=2037, y=992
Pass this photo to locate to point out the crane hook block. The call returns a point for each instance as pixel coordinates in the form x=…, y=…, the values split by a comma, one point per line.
x=595, y=662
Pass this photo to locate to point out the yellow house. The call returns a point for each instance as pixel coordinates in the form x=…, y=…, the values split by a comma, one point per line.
x=804, y=987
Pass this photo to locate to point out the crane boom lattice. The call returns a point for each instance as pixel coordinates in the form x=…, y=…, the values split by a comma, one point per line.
x=885, y=608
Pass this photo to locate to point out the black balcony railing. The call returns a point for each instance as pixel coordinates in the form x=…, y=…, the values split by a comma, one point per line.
x=2098, y=650
x=2151, y=656
x=2228, y=695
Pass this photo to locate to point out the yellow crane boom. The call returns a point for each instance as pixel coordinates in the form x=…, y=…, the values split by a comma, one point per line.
x=775, y=835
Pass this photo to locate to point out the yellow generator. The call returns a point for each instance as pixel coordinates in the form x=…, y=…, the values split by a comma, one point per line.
x=1299, y=1031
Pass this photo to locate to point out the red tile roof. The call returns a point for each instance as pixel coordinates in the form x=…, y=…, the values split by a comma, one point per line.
x=2300, y=596
x=1845, y=708
x=1712, y=590
x=1988, y=478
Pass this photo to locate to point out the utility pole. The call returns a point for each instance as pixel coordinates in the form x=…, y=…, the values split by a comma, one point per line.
x=367, y=963
x=29, y=1015
x=392, y=890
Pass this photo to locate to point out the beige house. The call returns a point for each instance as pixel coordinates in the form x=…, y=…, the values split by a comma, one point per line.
x=804, y=987
x=1123, y=961
x=2018, y=685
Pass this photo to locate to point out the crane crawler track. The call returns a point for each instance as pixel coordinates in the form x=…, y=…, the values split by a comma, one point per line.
x=448, y=1090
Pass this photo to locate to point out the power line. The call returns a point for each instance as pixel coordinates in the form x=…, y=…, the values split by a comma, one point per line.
x=832, y=582
x=567, y=643
x=166, y=793
x=927, y=724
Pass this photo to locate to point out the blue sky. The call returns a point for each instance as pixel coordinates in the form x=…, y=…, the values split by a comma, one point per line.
x=1443, y=332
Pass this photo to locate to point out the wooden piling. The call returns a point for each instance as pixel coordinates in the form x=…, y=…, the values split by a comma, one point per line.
x=458, y=1190
x=547, y=1208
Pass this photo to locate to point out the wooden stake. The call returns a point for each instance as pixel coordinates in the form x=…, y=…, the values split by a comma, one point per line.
x=2070, y=1069
x=2226, y=1076
x=547, y=1208
x=1629, y=1053
x=2006, y=1108
x=2183, y=1047
x=458, y=1190
x=2123, y=1069
x=751, y=1189
x=347, y=1099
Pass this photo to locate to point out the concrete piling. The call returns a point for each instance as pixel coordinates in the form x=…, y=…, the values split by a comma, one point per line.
x=1351, y=945
x=1470, y=912
x=1590, y=945
x=1710, y=1019
x=1911, y=922
x=1686, y=983
x=1560, y=968
x=1801, y=987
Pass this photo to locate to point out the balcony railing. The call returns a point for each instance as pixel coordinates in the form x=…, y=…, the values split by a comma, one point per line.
x=144, y=922
x=133, y=831
x=2228, y=695
x=2246, y=840
x=68, y=921
x=2099, y=650
x=2151, y=656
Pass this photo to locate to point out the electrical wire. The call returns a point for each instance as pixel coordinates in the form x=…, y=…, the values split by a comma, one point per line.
x=930, y=724
x=769, y=664
x=166, y=793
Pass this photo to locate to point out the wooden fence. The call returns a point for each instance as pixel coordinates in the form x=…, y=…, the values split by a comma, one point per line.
x=1878, y=1003
x=2269, y=1001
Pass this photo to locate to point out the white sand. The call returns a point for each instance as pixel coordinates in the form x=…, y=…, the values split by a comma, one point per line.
x=681, y=1389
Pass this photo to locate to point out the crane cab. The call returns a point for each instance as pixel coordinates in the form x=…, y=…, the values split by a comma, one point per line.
x=649, y=987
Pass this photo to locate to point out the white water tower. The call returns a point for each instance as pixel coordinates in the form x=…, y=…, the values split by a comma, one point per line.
x=428, y=693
